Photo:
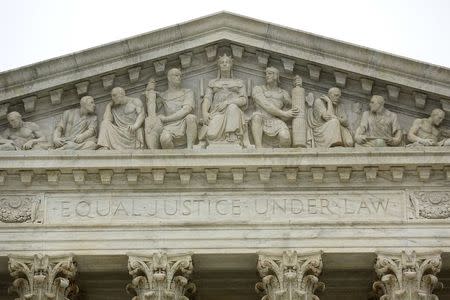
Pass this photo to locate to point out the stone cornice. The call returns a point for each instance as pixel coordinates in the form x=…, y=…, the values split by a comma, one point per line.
x=172, y=160
x=338, y=163
x=224, y=26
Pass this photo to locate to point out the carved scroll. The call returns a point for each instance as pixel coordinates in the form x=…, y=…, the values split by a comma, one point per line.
x=160, y=276
x=290, y=276
x=407, y=276
x=299, y=122
x=41, y=277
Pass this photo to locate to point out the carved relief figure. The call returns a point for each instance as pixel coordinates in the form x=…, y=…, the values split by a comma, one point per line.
x=426, y=132
x=328, y=122
x=379, y=127
x=268, y=118
x=121, y=127
x=21, y=135
x=176, y=126
x=222, y=105
x=77, y=128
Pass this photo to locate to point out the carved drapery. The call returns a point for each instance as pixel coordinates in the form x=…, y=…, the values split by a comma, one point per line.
x=407, y=276
x=41, y=277
x=290, y=276
x=160, y=276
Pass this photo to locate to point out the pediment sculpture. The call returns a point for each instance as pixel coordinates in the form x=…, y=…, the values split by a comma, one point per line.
x=170, y=119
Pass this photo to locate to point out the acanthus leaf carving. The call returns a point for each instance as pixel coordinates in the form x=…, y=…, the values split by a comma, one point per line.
x=407, y=276
x=160, y=276
x=290, y=276
x=41, y=277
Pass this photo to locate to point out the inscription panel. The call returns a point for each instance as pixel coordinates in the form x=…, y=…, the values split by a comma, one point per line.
x=224, y=207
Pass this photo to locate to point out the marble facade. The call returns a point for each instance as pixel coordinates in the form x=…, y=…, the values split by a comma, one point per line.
x=245, y=161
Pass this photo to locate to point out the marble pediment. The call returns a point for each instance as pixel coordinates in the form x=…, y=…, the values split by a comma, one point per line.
x=42, y=91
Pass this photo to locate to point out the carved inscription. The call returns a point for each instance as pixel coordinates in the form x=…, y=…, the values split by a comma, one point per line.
x=268, y=207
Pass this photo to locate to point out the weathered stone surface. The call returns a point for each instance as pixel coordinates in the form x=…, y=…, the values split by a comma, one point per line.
x=19, y=208
x=223, y=207
x=431, y=204
x=160, y=276
x=407, y=275
x=290, y=275
x=42, y=277
x=230, y=201
x=379, y=127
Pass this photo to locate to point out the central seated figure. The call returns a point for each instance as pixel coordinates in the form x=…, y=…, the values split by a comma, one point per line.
x=223, y=118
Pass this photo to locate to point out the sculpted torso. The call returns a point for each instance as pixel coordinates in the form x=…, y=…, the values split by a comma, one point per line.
x=130, y=108
x=276, y=98
x=427, y=131
x=23, y=133
x=173, y=101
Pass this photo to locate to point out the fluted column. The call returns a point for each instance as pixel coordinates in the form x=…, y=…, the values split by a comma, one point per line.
x=290, y=275
x=41, y=277
x=160, y=276
x=407, y=276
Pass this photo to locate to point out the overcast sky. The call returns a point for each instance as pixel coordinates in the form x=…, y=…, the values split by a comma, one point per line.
x=35, y=30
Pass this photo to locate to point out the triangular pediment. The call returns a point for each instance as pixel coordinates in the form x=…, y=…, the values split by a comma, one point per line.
x=45, y=89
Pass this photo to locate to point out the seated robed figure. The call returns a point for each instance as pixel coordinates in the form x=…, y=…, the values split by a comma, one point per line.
x=170, y=122
x=121, y=127
x=328, y=123
x=21, y=135
x=269, y=116
x=379, y=127
x=225, y=97
x=77, y=129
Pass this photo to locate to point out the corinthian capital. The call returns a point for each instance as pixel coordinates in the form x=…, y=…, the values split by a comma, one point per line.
x=290, y=276
x=160, y=276
x=407, y=276
x=41, y=277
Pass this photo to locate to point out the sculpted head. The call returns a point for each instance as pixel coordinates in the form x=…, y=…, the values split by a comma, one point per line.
x=14, y=119
x=334, y=94
x=376, y=103
x=225, y=63
x=87, y=104
x=272, y=75
x=437, y=116
x=117, y=95
x=174, y=77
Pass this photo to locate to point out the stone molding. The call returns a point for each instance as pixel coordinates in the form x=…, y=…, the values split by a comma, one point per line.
x=290, y=276
x=323, y=165
x=41, y=277
x=407, y=276
x=160, y=276
x=210, y=30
